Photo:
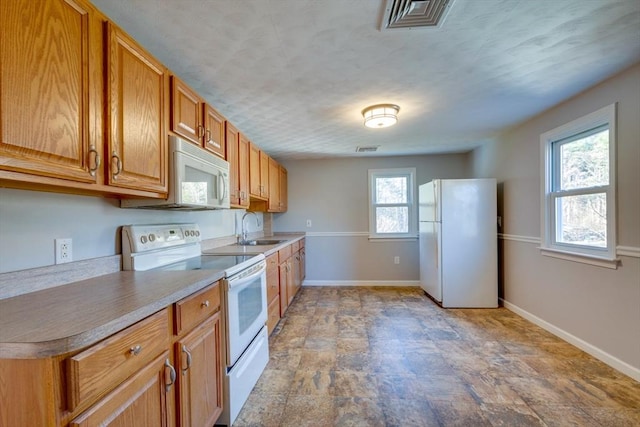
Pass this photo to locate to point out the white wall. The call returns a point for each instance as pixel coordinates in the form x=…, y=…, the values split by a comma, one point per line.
x=333, y=194
x=30, y=221
x=595, y=305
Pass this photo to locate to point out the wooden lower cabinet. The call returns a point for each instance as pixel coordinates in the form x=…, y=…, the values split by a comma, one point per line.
x=291, y=274
x=198, y=358
x=148, y=374
x=139, y=401
x=303, y=261
x=273, y=292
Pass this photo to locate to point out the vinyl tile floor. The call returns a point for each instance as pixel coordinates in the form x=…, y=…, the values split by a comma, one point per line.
x=389, y=356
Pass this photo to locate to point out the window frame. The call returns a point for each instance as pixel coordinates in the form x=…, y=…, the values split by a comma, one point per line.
x=410, y=174
x=550, y=143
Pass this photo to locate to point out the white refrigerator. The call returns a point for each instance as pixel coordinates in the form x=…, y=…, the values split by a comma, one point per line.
x=458, y=242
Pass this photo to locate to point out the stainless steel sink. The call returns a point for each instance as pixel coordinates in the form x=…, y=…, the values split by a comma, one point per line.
x=260, y=242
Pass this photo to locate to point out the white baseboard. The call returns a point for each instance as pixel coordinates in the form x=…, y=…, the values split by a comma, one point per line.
x=596, y=352
x=346, y=283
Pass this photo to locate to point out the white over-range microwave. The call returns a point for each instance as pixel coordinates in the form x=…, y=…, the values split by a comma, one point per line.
x=198, y=180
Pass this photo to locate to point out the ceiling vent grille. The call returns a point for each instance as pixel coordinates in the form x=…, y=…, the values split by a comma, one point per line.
x=369, y=149
x=410, y=14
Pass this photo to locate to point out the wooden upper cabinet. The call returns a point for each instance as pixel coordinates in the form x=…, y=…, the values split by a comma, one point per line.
x=186, y=112
x=51, y=85
x=255, y=179
x=284, y=180
x=274, y=186
x=195, y=120
x=214, y=131
x=238, y=158
x=243, y=171
x=264, y=174
x=232, y=139
x=258, y=172
x=137, y=88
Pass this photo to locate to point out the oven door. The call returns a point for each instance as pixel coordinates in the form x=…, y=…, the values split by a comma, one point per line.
x=246, y=299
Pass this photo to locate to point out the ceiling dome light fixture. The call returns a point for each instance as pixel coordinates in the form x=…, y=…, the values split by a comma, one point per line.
x=380, y=115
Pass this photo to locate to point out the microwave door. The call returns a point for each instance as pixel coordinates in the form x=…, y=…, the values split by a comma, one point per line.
x=196, y=183
x=222, y=188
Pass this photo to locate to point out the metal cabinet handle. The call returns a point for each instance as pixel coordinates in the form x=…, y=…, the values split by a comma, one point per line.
x=135, y=350
x=115, y=156
x=200, y=131
x=205, y=304
x=208, y=135
x=172, y=376
x=96, y=161
x=186, y=351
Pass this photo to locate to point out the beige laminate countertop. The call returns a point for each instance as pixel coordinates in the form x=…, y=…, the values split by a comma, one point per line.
x=70, y=317
x=257, y=249
x=67, y=318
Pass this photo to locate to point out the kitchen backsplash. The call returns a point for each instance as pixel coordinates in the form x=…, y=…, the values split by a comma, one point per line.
x=30, y=221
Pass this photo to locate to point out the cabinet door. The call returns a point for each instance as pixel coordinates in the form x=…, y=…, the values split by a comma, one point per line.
x=186, y=112
x=50, y=80
x=199, y=360
x=297, y=272
x=254, y=171
x=264, y=174
x=282, y=206
x=291, y=281
x=274, y=186
x=140, y=401
x=243, y=171
x=233, y=140
x=284, y=287
x=303, y=265
x=214, y=140
x=137, y=88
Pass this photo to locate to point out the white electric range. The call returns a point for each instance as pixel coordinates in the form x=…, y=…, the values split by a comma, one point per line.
x=177, y=247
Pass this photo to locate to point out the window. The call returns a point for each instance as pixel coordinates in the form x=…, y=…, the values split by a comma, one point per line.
x=391, y=203
x=579, y=187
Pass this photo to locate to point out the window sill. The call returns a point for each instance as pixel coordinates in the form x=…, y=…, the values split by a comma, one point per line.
x=611, y=263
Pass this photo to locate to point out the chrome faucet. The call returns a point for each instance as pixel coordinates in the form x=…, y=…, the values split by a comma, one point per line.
x=245, y=234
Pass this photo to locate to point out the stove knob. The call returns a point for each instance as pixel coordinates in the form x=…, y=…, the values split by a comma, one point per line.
x=152, y=237
x=143, y=239
x=187, y=233
x=197, y=233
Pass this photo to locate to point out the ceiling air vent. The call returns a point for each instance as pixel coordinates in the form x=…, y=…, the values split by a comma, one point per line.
x=410, y=14
x=369, y=149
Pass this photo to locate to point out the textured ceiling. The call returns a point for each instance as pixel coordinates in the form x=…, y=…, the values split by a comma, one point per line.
x=294, y=75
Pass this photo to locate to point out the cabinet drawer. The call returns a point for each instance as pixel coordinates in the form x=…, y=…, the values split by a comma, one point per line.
x=195, y=308
x=274, y=314
x=295, y=246
x=284, y=253
x=272, y=263
x=106, y=364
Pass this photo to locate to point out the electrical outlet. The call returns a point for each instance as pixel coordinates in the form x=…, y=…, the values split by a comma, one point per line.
x=64, y=251
x=396, y=260
x=309, y=223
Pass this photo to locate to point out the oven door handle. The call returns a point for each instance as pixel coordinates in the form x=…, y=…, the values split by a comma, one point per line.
x=240, y=281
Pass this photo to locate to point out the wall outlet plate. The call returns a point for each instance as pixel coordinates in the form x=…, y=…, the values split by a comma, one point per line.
x=64, y=251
